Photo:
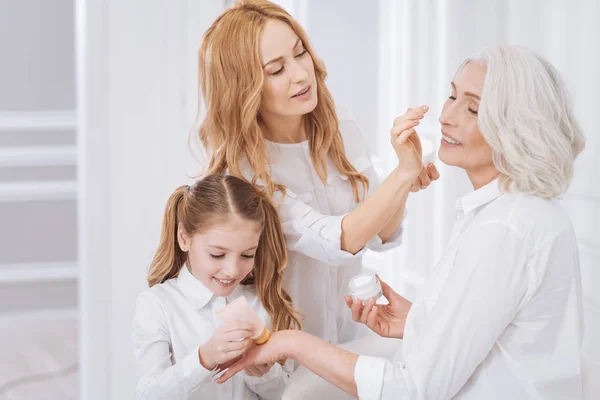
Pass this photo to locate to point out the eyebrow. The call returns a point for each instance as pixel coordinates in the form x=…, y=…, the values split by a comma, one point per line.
x=281, y=57
x=226, y=249
x=467, y=93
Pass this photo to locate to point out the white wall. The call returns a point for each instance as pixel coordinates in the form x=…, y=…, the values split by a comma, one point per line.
x=38, y=61
x=38, y=236
x=137, y=98
x=348, y=46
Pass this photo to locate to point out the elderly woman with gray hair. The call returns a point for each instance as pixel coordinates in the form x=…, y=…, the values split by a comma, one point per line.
x=501, y=316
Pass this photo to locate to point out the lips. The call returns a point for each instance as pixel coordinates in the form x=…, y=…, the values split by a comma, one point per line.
x=303, y=91
x=225, y=282
x=449, y=139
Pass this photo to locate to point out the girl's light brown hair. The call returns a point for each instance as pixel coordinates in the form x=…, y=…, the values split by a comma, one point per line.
x=214, y=200
x=231, y=80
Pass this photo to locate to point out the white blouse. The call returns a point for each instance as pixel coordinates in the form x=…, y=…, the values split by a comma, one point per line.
x=501, y=316
x=318, y=269
x=171, y=321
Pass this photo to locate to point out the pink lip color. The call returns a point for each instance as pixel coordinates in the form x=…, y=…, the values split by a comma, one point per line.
x=446, y=144
x=305, y=94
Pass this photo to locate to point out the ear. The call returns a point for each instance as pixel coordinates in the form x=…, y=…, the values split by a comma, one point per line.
x=183, y=239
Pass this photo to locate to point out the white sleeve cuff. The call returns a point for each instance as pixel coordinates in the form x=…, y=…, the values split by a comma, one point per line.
x=275, y=372
x=271, y=385
x=190, y=365
x=327, y=232
x=368, y=375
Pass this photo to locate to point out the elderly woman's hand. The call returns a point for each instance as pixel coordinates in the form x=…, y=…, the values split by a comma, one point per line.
x=386, y=320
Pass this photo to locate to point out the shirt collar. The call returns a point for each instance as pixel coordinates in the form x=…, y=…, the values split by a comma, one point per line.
x=480, y=197
x=199, y=295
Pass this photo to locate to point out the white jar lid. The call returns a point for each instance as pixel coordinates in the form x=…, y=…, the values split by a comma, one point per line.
x=364, y=285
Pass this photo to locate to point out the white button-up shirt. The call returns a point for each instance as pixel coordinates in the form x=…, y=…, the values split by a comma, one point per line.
x=318, y=269
x=501, y=316
x=171, y=321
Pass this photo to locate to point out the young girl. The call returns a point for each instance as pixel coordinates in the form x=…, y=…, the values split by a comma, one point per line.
x=221, y=238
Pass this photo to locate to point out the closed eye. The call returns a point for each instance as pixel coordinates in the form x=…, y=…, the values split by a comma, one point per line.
x=303, y=52
x=278, y=72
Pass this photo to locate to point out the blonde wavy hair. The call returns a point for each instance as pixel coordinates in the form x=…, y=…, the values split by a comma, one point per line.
x=231, y=80
x=211, y=201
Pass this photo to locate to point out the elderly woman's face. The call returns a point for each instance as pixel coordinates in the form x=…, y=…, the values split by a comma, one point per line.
x=462, y=144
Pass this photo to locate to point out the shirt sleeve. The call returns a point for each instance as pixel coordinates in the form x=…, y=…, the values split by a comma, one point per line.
x=271, y=385
x=312, y=233
x=159, y=378
x=446, y=338
x=317, y=235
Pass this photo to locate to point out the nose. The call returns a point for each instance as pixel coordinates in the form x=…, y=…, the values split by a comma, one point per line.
x=232, y=268
x=299, y=73
x=448, y=117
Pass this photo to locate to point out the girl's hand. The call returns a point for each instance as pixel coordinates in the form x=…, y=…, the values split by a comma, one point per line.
x=268, y=353
x=225, y=344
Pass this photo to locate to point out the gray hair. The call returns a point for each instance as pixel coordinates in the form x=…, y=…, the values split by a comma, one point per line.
x=525, y=115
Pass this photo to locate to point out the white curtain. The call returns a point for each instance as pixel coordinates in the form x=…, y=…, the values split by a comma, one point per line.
x=421, y=45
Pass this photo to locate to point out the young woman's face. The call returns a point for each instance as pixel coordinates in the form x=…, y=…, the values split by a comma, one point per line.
x=462, y=144
x=222, y=256
x=290, y=87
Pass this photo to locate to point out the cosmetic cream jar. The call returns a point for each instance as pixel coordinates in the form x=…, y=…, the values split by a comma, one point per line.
x=365, y=286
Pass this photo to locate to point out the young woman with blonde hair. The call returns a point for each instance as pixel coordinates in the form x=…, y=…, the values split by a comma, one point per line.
x=271, y=119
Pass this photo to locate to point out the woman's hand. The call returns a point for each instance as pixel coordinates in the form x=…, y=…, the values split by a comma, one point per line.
x=258, y=370
x=407, y=145
x=225, y=344
x=265, y=354
x=387, y=320
x=427, y=175
x=405, y=141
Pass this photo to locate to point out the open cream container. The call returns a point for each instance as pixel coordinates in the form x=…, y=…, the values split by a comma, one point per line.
x=240, y=310
x=365, y=286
